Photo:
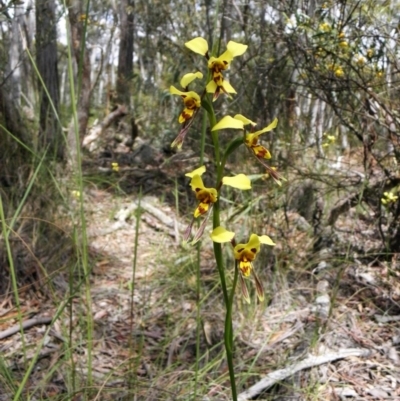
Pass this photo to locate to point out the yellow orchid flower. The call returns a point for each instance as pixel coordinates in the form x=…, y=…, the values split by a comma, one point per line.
x=245, y=254
x=191, y=99
x=206, y=196
x=251, y=141
x=192, y=102
x=217, y=64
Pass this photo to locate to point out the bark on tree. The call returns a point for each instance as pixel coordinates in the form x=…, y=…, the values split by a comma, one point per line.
x=49, y=92
x=125, y=56
x=77, y=20
x=15, y=53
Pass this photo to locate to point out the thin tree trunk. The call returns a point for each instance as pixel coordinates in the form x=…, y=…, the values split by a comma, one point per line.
x=81, y=53
x=15, y=51
x=49, y=92
x=125, y=56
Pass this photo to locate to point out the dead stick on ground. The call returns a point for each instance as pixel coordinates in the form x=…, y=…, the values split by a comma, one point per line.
x=281, y=374
x=25, y=325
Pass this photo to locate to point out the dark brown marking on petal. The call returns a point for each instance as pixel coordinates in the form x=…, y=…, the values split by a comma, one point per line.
x=254, y=250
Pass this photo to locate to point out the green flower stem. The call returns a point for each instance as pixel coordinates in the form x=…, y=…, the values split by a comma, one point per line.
x=198, y=278
x=228, y=335
x=214, y=135
x=228, y=320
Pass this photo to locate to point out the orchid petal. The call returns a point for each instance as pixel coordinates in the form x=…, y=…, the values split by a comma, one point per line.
x=221, y=235
x=199, y=171
x=225, y=57
x=198, y=45
x=259, y=287
x=190, y=77
x=254, y=243
x=239, y=181
x=244, y=119
x=264, y=239
x=228, y=88
x=228, y=122
x=237, y=49
x=176, y=91
x=197, y=183
x=268, y=128
x=211, y=87
x=245, y=291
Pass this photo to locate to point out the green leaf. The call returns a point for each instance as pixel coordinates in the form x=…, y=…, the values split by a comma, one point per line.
x=205, y=104
x=231, y=147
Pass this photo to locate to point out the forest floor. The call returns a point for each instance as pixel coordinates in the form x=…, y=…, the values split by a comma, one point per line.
x=328, y=330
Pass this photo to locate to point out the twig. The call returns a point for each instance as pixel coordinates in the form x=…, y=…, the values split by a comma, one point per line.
x=25, y=325
x=281, y=374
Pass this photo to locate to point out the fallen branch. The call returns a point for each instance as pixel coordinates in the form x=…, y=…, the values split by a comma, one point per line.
x=25, y=325
x=282, y=374
x=96, y=131
x=169, y=222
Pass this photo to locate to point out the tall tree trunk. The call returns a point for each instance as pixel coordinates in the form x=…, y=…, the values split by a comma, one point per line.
x=76, y=14
x=15, y=52
x=46, y=59
x=125, y=56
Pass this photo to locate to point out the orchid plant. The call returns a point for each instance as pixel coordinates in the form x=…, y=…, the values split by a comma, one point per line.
x=208, y=197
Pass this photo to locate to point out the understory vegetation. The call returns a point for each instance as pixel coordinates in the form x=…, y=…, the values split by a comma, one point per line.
x=104, y=295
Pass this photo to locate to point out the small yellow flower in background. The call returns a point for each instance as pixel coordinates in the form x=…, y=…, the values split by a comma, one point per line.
x=339, y=72
x=370, y=53
x=343, y=44
x=217, y=64
x=379, y=74
x=83, y=18
x=389, y=197
x=330, y=139
x=341, y=35
x=76, y=194
x=115, y=166
x=360, y=60
x=245, y=254
x=324, y=27
x=267, y=174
